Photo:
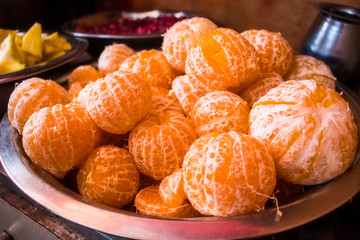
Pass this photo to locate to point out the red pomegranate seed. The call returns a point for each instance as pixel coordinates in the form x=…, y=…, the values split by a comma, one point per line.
x=132, y=26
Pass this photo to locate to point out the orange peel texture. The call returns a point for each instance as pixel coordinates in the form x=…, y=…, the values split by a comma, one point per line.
x=181, y=37
x=118, y=101
x=30, y=96
x=274, y=50
x=307, y=67
x=223, y=59
x=109, y=176
x=159, y=143
x=309, y=129
x=59, y=138
x=228, y=174
x=220, y=111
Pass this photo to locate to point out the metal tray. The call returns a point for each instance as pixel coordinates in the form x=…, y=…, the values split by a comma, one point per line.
x=50, y=193
x=97, y=42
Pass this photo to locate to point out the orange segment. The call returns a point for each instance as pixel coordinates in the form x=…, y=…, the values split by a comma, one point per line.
x=159, y=143
x=118, y=101
x=30, y=96
x=220, y=111
x=181, y=37
x=149, y=202
x=59, y=138
x=309, y=129
x=274, y=50
x=109, y=176
x=171, y=189
x=228, y=174
x=223, y=59
x=307, y=67
x=152, y=66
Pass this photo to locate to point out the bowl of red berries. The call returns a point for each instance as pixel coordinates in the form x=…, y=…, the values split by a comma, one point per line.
x=137, y=29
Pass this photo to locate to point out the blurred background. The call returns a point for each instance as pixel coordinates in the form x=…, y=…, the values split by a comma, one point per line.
x=291, y=18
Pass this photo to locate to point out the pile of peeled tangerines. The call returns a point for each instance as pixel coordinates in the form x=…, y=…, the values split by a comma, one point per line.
x=207, y=126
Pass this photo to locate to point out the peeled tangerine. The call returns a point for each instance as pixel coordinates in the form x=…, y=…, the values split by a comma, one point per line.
x=220, y=111
x=274, y=50
x=30, y=96
x=111, y=58
x=228, y=174
x=59, y=138
x=80, y=77
x=223, y=59
x=188, y=90
x=149, y=202
x=152, y=66
x=181, y=37
x=260, y=87
x=309, y=129
x=307, y=67
x=109, y=176
x=159, y=143
x=118, y=101
x=162, y=100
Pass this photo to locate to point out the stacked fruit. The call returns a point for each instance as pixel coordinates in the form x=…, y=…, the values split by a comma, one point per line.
x=20, y=51
x=204, y=127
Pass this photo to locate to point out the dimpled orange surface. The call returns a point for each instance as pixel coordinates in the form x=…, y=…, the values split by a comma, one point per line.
x=187, y=89
x=181, y=37
x=171, y=189
x=109, y=176
x=152, y=66
x=228, y=174
x=307, y=67
x=162, y=100
x=222, y=59
x=118, y=101
x=112, y=56
x=30, y=96
x=159, y=143
x=274, y=51
x=260, y=87
x=59, y=138
x=149, y=202
x=309, y=129
x=220, y=111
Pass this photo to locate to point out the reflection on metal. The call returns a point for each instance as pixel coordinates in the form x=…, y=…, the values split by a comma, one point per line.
x=19, y=226
x=334, y=38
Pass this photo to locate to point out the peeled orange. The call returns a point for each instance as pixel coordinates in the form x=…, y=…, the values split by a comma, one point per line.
x=309, y=129
x=59, y=138
x=228, y=174
x=30, y=96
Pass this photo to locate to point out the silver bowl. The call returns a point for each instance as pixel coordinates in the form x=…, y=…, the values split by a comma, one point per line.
x=334, y=38
x=97, y=42
x=66, y=203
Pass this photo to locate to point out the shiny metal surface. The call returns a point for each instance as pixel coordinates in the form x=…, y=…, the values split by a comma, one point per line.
x=334, y=38
x=47, y=191
x=16, y=225
x=78, y=45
